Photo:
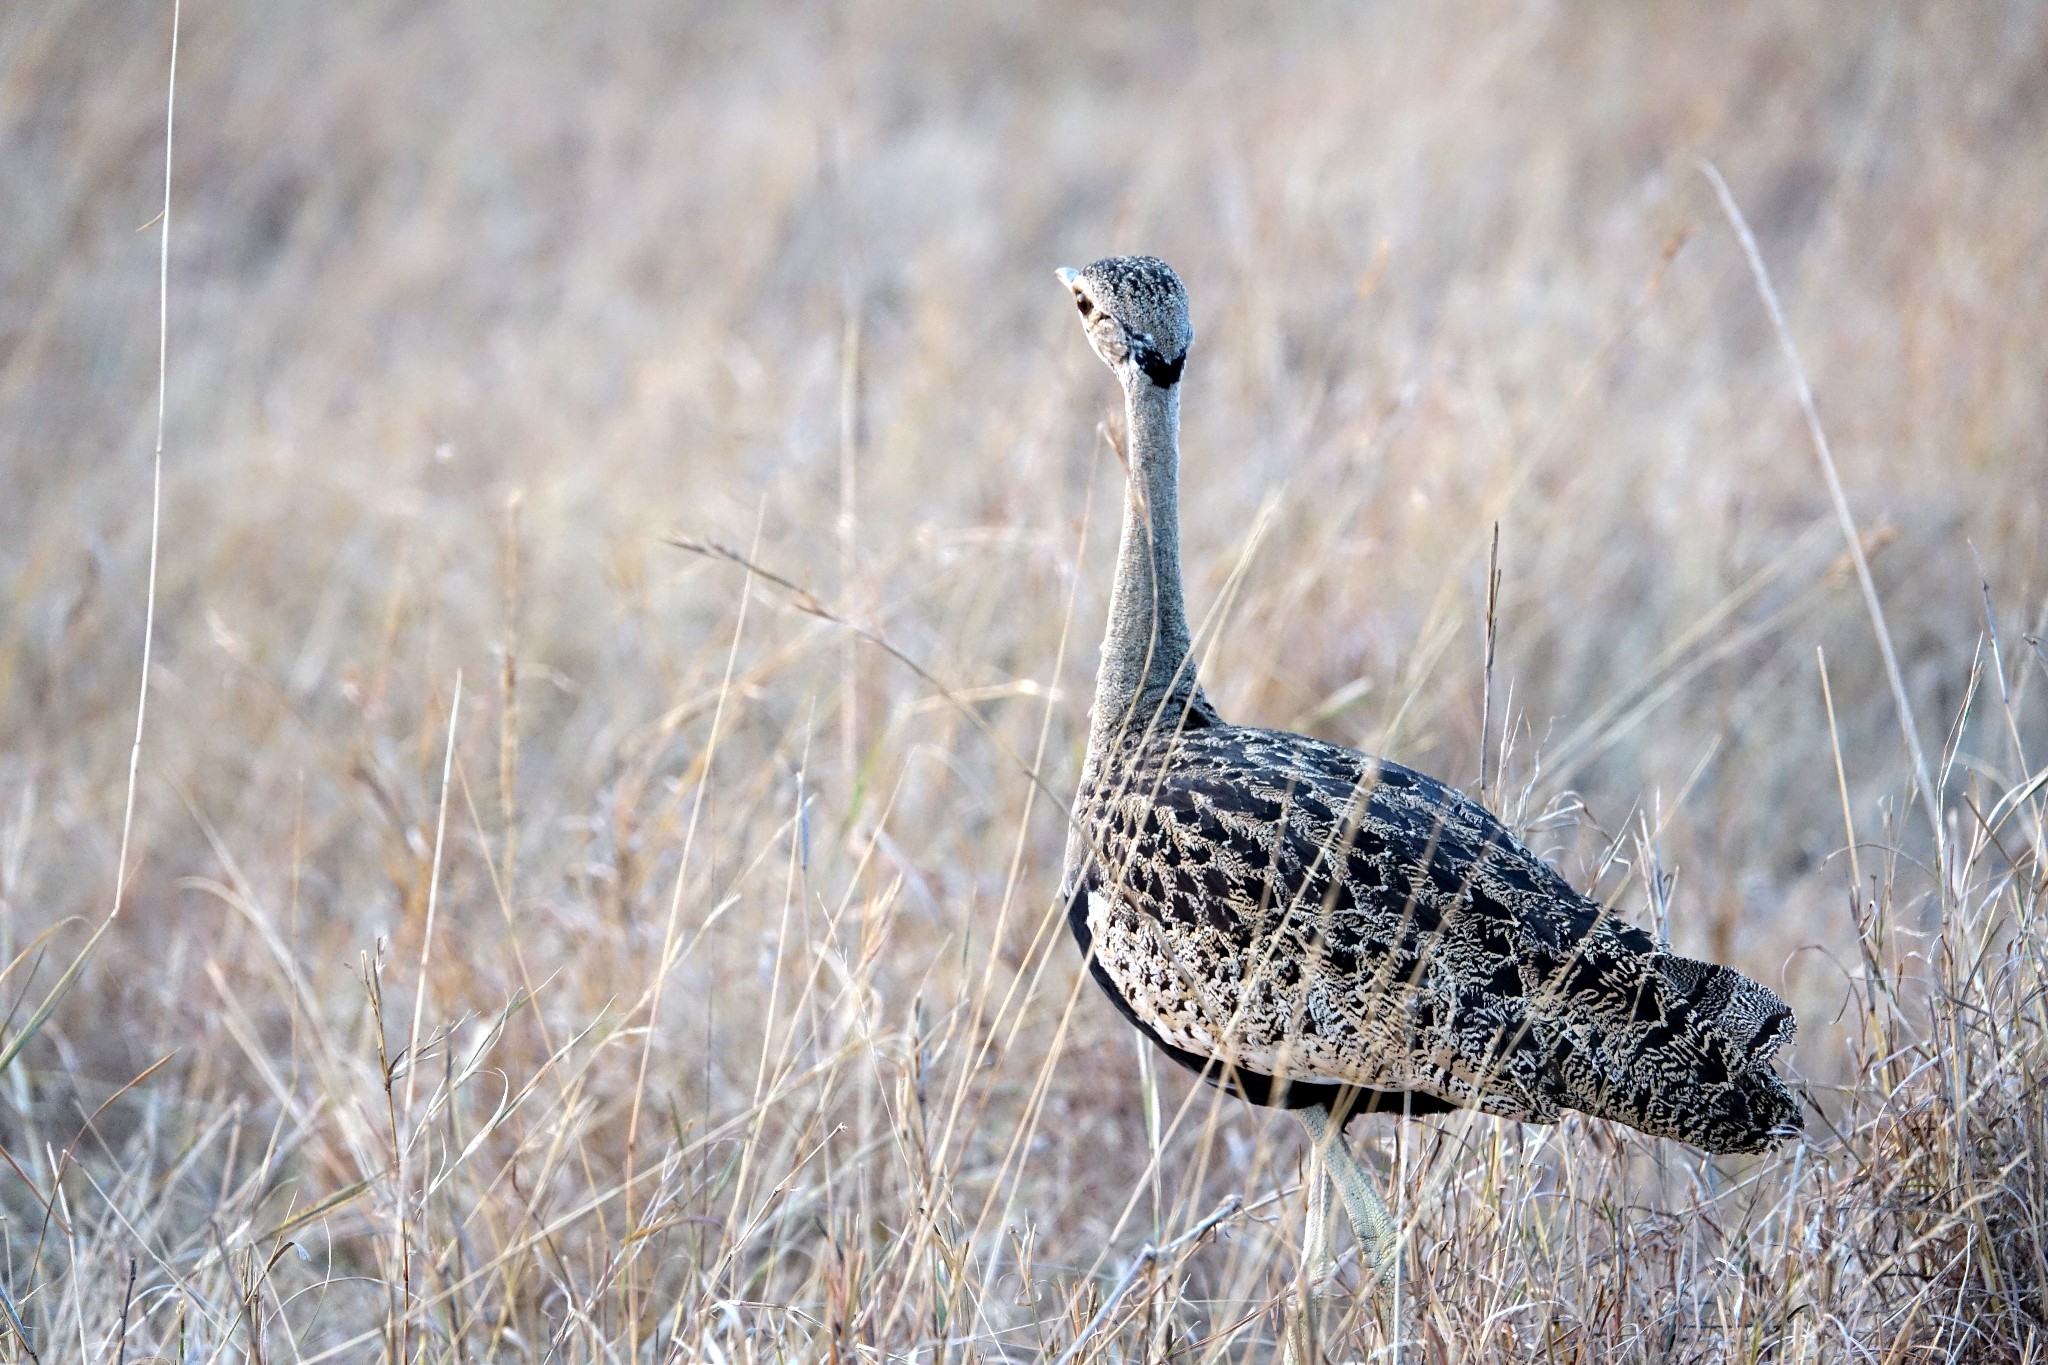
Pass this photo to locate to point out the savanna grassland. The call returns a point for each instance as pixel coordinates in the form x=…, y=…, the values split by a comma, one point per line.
x=543, y=941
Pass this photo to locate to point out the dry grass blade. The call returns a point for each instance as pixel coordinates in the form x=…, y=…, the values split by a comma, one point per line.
x=1929, y=796
x=1142, y=1262
x=35, y=1022
x=807, y=602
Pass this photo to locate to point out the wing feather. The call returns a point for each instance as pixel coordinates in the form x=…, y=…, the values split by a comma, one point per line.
x=1293, y=910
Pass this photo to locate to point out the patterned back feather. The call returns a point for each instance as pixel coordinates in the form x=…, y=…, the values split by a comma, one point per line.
x=1297, y=921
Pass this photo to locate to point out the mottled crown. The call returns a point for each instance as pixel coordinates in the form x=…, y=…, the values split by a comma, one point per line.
x=1136, y=313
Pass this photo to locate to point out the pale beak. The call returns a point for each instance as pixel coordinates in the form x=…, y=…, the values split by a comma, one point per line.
x=1068, y=277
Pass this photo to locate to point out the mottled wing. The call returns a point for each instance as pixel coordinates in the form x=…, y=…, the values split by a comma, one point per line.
x=1302, y=912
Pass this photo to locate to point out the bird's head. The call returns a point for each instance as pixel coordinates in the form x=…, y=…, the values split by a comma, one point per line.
x=1135, y=312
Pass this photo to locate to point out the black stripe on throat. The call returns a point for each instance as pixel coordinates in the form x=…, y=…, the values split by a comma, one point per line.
x=1161, y=371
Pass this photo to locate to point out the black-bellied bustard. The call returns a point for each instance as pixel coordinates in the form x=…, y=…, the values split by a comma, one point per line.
x=1315, y=928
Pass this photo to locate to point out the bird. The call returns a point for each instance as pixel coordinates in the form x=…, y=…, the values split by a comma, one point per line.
x=1313, y=928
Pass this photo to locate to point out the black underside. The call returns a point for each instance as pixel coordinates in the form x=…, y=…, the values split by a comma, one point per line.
x=1344, y=1100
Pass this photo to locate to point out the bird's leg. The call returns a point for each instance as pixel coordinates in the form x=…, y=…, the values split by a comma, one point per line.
x=1318, y=1266
x=1318, y=1259
x=1377, y=1234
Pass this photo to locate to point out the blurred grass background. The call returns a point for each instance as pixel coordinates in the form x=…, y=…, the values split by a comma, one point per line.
x=472, y=304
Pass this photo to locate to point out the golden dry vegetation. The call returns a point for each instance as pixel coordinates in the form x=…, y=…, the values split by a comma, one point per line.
x=694, y=988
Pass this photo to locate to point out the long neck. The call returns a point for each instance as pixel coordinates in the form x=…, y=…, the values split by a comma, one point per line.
x=1146, y=652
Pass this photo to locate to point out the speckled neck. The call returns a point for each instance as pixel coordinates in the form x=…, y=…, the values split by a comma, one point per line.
x=1146, y=652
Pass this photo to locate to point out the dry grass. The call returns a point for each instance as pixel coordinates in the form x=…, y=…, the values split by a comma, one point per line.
x=746, y=1030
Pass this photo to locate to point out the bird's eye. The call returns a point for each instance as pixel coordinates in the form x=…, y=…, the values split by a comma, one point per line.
x=1085, y=304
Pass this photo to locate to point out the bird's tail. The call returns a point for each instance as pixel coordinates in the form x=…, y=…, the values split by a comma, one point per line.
x=1673, y=1047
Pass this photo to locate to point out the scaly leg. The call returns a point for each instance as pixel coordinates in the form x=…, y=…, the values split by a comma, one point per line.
x=1377, y=1234
x=1318, y=1265
x=1319, y=1260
